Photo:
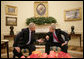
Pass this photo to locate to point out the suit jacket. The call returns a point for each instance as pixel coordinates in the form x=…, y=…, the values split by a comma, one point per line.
x=22, y=38
x=58, y=32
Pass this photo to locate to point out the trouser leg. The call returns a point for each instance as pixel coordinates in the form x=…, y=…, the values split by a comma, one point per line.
x=31, y=48
x=17, y=53
x=47, y=48
x=64, y=48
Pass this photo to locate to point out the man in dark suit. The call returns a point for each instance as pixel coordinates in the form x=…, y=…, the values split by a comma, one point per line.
x=25, y=39
x=54, y=38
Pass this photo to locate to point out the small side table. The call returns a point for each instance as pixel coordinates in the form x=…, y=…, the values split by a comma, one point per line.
x=7, y=36
x=78, y=35
x=4, y=43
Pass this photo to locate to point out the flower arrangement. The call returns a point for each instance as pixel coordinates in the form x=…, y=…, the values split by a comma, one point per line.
x=52, y=54
x=41, y=20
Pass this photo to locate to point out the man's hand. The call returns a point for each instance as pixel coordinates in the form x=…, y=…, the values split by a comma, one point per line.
x=64, y=43
x=40, y=40
x=47, y=37
x=18, y=49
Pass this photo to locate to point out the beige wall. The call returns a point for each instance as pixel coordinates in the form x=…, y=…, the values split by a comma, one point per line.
x=25, y=10
x=55, y=9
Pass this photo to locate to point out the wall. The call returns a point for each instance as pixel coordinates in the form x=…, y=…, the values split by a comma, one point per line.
x=25, y=10
x=55, y=9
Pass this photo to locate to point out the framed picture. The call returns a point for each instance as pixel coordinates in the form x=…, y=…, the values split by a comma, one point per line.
x=11, y=21
x=11, y=10
x=41, y=9
x=73, y=14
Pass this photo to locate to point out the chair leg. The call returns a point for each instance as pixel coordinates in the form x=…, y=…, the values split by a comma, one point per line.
x=13, y=56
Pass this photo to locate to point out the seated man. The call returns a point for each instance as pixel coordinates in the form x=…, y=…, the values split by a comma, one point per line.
x=25, y=39
x=54, y=38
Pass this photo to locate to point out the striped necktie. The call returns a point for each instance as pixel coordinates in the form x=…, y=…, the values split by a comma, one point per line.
x=56, y=38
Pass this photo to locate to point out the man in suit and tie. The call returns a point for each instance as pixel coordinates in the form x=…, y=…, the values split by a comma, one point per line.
x=54, y=38
x=25, y=39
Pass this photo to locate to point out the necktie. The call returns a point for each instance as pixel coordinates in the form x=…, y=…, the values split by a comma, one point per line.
x=29, y=37
x=56, y=38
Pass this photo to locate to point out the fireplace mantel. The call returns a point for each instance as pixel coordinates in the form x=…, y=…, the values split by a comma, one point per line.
x=42, y=28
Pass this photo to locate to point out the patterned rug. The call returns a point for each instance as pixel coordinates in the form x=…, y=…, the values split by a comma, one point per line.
x=75, y=51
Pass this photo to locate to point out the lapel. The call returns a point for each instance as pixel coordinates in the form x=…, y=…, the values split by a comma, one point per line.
x=56, y=32
x=27, y=29
x=27, y=33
